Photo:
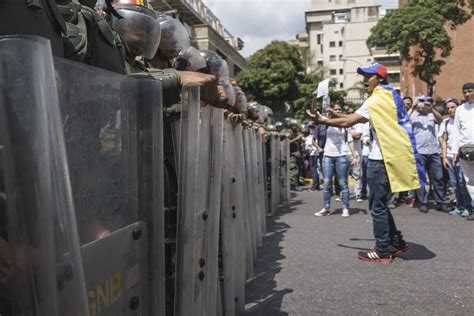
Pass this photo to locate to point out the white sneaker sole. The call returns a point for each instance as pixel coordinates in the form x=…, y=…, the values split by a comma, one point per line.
x=318, y=214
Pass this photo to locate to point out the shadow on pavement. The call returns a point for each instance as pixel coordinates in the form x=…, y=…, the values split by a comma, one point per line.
x=261, y=296
x=352, y=211
x=415, y=251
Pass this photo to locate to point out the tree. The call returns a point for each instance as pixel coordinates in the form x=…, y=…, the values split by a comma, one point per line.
x=273, y=75
x=418, y=32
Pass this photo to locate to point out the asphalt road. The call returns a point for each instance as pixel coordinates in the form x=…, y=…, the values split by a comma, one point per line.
x=308, y=265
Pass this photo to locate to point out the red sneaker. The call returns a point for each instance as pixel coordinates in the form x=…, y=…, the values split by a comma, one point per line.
x=374, y=256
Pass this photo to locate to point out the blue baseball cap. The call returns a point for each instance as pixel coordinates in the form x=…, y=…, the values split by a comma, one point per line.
x=374, y=69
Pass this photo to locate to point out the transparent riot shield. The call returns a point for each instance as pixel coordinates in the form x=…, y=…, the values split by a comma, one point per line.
x=275, y=170
x=188, y=158
x=285, y=171
x=233, y=234
x=199, y=200
x=210, y=249
x=256, y=182
x=99, y=111
x=262, y=192
x=39, y=244
x=151, y=186
x=249, y=177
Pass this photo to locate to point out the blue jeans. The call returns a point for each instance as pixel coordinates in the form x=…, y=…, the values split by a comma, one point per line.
x=339, y=165
x=365, y=160
x=457, y=181
x=385, y=230
x=314, y=164
x=434, y=167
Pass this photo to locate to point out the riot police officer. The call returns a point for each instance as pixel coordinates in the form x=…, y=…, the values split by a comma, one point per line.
x=33, y=17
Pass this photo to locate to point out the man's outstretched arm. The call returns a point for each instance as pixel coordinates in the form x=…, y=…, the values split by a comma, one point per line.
x=344, y=122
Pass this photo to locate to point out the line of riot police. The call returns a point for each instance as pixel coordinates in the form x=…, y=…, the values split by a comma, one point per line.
x=135, y=177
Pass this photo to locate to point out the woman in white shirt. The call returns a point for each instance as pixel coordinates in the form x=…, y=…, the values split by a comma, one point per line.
x=337, y=159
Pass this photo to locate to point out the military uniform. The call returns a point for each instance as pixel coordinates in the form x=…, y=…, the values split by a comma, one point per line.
x=33, y=17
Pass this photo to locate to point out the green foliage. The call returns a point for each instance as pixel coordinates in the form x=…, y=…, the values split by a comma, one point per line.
x=306, y=86
x=273, y=75
x=421, y=24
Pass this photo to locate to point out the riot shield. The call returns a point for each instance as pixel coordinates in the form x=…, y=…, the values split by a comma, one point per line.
x=275, y=171
x=199, y=200
x=250, y=207
x=232, y=221
x=99, y=111
x=39, y=244
x=213, y=208
x=285, y=171
x=256, y=181
x=151, y=185
x=261, y=166
x=186, y=268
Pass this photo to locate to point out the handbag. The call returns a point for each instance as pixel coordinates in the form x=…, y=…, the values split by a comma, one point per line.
x=466, y=152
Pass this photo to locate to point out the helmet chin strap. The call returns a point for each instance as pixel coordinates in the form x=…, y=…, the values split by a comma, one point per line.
x=111, y=10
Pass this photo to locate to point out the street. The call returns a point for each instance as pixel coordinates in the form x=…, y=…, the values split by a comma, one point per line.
x=308, y=265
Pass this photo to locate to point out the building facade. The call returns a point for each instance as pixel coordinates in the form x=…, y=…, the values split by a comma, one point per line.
x=337, y=35
x=459, y=67
x=205, y=29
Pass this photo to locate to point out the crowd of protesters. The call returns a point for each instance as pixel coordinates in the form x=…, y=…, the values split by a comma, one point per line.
x=334, y=155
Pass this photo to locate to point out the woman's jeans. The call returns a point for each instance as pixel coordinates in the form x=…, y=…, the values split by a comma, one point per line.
x=457, y=181
x=340, y=166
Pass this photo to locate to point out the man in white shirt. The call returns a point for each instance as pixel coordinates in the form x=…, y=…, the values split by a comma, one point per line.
x=463, y=133
x=456, y=177
x=388, y=239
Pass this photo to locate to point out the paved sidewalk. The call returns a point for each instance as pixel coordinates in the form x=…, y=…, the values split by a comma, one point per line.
x=308, y=265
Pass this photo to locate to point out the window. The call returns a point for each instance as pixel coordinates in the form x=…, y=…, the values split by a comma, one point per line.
x=336, y=32
x=341, y=85
x=319, y=39
x=340, y=17
x=332, y=44
x=340, y=57
x=394, y=78
x=340, y=43
x=332, y=58
x=341, y=71
x=332, y=72
x=320, y=63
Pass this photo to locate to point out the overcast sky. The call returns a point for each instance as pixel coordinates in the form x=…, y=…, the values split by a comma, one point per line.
x=258, y=22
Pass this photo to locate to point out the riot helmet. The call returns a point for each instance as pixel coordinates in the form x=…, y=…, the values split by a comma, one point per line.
x=240, y=100
x=272, y=128
x=287, y=121
x=174, y=37
x=218, y=67
x=138, y=27
x=189, y=59
x=279, y=125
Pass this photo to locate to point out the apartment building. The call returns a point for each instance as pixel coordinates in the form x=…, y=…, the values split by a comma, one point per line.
x=337, y=33
x=459, y=67
x=205, y=29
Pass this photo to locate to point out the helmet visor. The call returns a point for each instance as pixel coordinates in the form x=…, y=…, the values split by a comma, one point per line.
x=139, y=29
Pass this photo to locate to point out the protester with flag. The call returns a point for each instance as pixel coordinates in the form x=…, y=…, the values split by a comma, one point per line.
x=394, y=164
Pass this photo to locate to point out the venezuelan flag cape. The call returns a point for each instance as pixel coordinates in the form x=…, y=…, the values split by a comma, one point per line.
x=396, y=139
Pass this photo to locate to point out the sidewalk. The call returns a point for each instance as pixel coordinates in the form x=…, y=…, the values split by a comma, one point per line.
x=308, y=265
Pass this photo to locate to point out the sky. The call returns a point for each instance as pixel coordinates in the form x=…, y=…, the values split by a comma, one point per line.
x=258, y=22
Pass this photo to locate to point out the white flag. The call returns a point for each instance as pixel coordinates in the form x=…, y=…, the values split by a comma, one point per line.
x=323, y=88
